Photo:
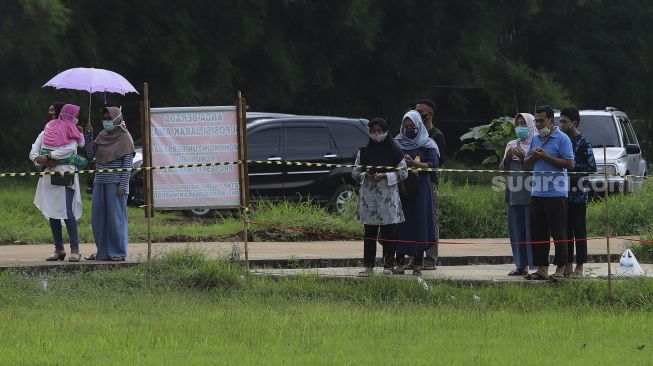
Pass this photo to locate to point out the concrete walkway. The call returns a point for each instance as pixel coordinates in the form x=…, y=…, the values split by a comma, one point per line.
x=491, y=273
x=482, y=250
x=485, y=260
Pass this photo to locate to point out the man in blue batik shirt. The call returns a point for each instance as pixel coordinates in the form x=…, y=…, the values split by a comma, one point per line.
x=578, y=186
x=550, y=154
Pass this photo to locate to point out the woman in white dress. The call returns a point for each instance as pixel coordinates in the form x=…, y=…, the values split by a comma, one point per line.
x=62, y=201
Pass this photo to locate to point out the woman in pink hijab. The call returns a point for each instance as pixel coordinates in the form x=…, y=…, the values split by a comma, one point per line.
x=518, y=194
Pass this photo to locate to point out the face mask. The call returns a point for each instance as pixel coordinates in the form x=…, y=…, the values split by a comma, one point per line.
x=108, y=124
x=410, y=132
x=569, y=130
x=522, y=132
x=378, y=137
x=544, y=132
x=71, y=117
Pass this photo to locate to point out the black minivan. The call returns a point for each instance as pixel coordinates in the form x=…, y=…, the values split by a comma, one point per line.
x=302, y=139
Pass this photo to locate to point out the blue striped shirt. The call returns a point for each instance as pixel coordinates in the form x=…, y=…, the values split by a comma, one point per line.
x=120, y=163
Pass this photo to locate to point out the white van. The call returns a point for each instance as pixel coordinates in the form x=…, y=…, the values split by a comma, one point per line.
x=624, y=162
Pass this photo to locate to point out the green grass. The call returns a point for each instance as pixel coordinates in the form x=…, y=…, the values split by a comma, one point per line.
x=197, y=311
x=22, y=223
x=466, y=211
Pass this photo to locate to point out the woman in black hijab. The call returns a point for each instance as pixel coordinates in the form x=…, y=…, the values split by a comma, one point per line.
x=379, y=169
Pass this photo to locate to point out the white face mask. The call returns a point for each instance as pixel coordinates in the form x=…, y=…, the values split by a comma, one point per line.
x=544, y=131
x=378, y=137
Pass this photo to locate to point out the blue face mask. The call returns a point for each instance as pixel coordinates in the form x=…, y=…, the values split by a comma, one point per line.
x=522, y=132
x=410, y=132
x=108, y=124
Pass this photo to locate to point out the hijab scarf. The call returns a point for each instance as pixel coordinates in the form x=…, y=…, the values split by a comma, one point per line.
x=63, y=130
x=421, y=140
x=385, y=153
x=530, y=123
x=114, y=144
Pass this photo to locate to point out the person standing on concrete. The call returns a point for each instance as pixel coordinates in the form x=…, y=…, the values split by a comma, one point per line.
x=576, y=215
x=379, y=205
x=518, y=194
x=426, y=109
x=113, y=148
x=550, y=154
x=417, y=233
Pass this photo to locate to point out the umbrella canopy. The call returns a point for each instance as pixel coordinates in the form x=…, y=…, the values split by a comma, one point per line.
x=91, y=80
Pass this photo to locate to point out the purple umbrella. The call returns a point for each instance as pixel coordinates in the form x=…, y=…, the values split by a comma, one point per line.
x=91, y=80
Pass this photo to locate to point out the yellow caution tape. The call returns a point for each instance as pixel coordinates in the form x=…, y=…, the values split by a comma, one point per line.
x=291, y=163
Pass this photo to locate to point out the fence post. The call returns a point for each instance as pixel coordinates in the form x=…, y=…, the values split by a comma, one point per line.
x=607, y=219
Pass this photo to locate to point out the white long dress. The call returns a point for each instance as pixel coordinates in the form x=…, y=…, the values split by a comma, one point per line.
x=50, y=199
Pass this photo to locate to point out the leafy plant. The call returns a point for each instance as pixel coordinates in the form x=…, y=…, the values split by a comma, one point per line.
x=492, y=137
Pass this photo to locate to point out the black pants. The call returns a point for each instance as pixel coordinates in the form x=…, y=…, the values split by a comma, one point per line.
x=577, y=229
x=549, y=219
x=388, y=232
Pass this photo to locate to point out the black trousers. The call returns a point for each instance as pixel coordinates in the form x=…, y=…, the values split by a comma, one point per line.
x=549, y=219
x=387, y=232
x=577, y=229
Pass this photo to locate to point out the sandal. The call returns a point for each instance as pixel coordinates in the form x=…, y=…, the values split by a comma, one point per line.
x=117, y=259
x=535, y=276
x=90, y=257
x=74, y=257
x=557, y=277
x=518, y=272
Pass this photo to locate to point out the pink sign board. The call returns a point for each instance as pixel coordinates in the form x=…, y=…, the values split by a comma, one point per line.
x=195, y=135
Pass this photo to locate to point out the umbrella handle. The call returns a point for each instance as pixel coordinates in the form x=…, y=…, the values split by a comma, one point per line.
x=89, y=107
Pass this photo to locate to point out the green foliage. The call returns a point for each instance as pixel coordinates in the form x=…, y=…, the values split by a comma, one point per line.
x=349, y=58
x=493, y=137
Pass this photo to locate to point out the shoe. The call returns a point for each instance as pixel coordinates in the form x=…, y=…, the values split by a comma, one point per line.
x=408, y=267
x=74, y=257
x=535, y=276
x=117, y=259
x=518, y=272
x=90, y=257
x=387, y=271
x=367, y=272
x=399, y=270
x=58, y=255
x=429, y=267
x=417, y=271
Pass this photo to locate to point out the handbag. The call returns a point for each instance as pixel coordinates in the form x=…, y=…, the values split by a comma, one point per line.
x=62, y=179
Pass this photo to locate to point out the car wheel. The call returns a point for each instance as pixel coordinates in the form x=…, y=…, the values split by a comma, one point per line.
x=342, y=196
x=199, y=212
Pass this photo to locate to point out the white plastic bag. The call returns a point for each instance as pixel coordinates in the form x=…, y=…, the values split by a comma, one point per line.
x=629, y=266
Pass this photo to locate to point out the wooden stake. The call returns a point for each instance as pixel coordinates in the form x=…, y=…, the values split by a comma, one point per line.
x=147, y=174
x=607, y=219
x=243, y=171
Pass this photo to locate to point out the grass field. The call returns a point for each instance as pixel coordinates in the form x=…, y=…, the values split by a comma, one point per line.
x=466, y=211
x=197, y=311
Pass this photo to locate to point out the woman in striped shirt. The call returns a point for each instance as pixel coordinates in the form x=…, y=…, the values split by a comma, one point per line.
x=112, y=149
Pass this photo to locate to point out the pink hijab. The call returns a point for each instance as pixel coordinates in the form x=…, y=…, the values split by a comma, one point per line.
x=522, y=144
x=63, y=130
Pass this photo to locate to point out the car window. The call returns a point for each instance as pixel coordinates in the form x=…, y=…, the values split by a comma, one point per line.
x=624, y=136
x=265, y=143
x=349, y=138
x=307, y=142
x=629, y=131
x=600, y=130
